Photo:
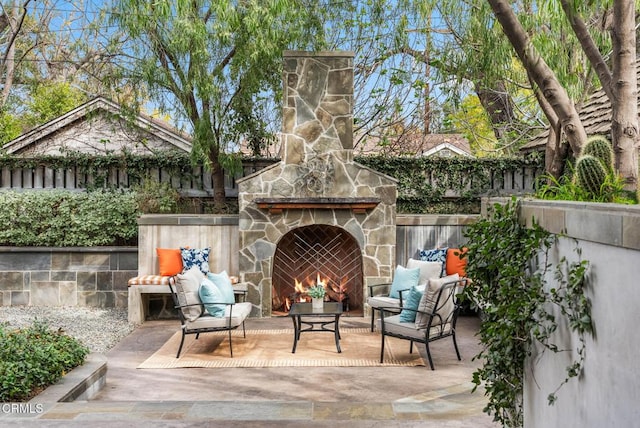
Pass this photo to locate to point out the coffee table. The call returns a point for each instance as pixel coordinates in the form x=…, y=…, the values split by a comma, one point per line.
x=303, y=313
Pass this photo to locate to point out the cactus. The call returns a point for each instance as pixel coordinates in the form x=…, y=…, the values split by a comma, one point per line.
x=590, y=174
x=600, y=148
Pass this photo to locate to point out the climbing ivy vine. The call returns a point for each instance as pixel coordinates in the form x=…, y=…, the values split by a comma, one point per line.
x=425, y=184
x=509, y=266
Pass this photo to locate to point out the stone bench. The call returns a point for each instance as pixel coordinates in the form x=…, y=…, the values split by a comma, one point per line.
x=141, y=287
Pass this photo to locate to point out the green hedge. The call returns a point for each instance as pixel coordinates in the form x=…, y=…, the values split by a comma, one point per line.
x=60, y=218
x=33, y=358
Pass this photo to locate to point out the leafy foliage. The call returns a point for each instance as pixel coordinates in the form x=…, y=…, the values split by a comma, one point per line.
x=426, y=184
x=567, y=188
x=154, y=197
x=508, y=264
x=51, y=100
x=176, y=164
x=211, y=62
x=316, y=291
x=68, y=219
x=10, y=127
x=33, y=358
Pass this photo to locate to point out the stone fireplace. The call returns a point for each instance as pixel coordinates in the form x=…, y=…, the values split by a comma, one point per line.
x=317, y=213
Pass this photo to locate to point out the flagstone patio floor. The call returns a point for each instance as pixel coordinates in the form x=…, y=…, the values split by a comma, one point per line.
x=284, y=397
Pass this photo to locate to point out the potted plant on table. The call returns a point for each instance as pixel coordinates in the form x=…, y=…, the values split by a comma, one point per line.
x=317, y=293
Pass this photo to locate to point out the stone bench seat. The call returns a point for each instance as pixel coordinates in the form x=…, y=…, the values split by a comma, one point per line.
x=140, y=287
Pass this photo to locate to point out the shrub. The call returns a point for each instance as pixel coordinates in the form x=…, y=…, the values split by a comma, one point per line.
x=68, y=219
x=154, y=197
x=33, y=358
x=521, y=306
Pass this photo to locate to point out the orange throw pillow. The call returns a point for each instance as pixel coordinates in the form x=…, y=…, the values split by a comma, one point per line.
x=454, y=263
x=169, y=261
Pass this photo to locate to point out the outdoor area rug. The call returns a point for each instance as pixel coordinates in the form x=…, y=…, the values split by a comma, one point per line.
x=272, y=348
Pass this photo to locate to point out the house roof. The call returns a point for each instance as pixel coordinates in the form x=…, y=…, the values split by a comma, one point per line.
x=595, y=115
x=159, y=129
x=417, y=144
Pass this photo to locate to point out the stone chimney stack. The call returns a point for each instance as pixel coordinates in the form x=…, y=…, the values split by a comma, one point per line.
x=318, y=105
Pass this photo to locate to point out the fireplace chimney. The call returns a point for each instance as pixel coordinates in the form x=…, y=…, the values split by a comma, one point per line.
x=317, y=182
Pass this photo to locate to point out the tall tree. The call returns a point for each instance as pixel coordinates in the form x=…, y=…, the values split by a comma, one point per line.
x=53, y=55
x=619, y=82
x=207, y=61
x=12, y=18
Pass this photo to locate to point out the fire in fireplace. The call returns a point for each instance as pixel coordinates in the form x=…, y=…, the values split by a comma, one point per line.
x=334, y=291
x=317, y=254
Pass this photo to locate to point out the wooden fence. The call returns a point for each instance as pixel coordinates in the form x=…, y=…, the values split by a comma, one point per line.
x=198, y=182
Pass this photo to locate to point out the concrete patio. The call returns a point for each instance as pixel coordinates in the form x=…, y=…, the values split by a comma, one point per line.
x=288, y=396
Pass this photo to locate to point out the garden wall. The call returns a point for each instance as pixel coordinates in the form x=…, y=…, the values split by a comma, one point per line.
x=607, y=392
x=98, y=276
x=95, y=277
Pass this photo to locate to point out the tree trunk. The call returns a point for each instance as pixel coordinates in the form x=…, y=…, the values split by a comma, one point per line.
x=499, y=106
x=12, y=23
x=624, y=105
x=556, y=153
x=217, y=178
x=543, y=76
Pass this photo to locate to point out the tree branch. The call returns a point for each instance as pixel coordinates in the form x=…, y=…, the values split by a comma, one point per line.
x=543, y=76
x=589, y=47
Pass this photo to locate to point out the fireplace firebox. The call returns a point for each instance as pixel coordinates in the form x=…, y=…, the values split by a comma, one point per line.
x=317, y=254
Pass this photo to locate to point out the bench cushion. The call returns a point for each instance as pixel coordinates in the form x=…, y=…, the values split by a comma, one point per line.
x=428, y=270
x=403, y=279
x=455, y=262
x=212, y=298
x=169, y=261
x=148, y=280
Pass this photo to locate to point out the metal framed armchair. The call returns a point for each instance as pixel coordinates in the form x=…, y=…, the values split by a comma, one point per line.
x=381, y=295
x=194, y=319
x=435, y=317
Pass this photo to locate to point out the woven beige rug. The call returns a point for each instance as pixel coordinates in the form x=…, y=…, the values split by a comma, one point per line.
x=272, y=348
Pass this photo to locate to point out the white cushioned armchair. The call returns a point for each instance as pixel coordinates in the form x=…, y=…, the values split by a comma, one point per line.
x=390, y=296
x=425, y=317
x=194, y=314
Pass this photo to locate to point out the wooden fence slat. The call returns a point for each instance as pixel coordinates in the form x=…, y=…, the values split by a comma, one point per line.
x=165, y=177
x=529, y=180
x=16, y=179
x=69, y=178
x=5, y=178
x=38, y=178
x=27, y=178
x=60, y=177
x=207, y=181
x=48, y=179
x=123, y=179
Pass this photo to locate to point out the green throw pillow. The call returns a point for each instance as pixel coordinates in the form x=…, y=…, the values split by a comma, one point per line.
x=403, y=279
x=210, y=295
x=223, y=282
x=411, y=301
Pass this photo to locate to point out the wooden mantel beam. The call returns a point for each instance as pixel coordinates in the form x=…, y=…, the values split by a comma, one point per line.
x=277, y=205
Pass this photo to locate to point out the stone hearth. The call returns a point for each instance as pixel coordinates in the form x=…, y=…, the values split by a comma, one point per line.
x=317, y=182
